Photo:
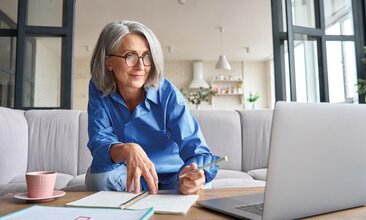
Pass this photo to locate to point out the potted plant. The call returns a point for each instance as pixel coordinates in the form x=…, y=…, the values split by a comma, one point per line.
x=253, y=98
x=197, y=96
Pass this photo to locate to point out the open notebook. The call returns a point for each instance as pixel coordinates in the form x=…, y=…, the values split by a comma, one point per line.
x=163, y=203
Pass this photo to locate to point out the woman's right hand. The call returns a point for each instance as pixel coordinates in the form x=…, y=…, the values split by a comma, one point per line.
x=138, y=164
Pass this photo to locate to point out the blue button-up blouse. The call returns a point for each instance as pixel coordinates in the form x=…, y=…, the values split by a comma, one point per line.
x=161, y=124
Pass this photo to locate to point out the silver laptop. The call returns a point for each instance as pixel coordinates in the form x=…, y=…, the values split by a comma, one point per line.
x=317, y=164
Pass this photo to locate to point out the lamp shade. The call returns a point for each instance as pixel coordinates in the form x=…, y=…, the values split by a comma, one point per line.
x=198, y=81
x=222, y=63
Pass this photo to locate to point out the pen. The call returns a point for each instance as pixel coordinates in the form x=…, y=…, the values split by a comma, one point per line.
x=225, y=158
x=134, y=200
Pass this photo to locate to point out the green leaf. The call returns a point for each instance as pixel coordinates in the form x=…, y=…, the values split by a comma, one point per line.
x=253, y=98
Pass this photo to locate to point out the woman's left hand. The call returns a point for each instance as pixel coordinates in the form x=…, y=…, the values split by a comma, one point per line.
x=192, y=183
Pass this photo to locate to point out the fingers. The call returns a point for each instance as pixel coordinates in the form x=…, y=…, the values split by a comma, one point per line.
x=136, y=180
x=155, y=180
x=192, y=183
x=150, y=176
x=129, y=180
x=151, y=179
x=135, y=177
x=188, y=186
x=187, y=169
x=139, y=165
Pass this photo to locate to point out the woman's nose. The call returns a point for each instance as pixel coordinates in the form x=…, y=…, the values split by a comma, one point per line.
x=140, y=64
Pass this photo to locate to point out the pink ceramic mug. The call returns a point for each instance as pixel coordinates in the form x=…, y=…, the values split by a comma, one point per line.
x=40, y=184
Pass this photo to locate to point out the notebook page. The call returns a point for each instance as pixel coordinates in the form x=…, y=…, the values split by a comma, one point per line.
x=103, y=199
x=62, y=213
x=167, y=203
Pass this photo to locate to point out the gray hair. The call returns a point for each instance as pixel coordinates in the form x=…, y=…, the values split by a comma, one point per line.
x=108, y=43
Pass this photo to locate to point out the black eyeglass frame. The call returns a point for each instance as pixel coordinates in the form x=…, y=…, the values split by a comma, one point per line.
x=139, y=57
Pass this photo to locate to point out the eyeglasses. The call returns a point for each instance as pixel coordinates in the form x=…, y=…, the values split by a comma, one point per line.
x=131, y=59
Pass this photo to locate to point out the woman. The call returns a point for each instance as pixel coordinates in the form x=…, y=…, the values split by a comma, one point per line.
x=141, y=133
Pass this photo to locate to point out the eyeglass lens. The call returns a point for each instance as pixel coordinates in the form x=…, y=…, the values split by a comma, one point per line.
x=132, y=59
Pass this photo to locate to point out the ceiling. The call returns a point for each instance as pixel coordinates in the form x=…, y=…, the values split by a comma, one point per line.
x=189, y=27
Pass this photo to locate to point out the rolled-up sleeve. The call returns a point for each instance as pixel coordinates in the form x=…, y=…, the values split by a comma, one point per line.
x=185, y=131
x=100, y=130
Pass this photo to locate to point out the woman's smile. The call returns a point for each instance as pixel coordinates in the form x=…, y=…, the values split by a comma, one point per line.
x=137, y=76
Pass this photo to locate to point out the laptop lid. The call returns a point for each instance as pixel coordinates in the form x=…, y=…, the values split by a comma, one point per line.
x=317, y=159
x=317, y=162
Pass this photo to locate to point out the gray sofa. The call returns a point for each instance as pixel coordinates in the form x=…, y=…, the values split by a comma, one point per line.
x=56, y=140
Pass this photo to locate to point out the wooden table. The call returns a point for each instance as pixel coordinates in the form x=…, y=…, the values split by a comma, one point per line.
x=9, y=204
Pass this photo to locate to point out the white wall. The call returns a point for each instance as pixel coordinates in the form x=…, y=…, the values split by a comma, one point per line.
x=269, y=65
x=256, y=80
x=81, y=76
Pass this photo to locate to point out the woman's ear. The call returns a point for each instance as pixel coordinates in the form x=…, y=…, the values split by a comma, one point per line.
x=108, y=64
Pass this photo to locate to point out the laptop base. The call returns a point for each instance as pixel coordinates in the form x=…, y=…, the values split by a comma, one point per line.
x=228, y=205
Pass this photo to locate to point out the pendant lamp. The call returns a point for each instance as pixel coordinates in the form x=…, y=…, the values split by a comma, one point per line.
x=222, y=63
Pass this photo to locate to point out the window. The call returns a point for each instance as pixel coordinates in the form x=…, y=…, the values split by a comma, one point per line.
x=318, y=58
x=38, y=55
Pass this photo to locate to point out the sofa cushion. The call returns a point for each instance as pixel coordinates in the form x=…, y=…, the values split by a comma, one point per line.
x=62, y=180
x=12, y=188
x=77, y=184
x=74, y=188
x=233, y=178
x=259, y=174
x=222, y=131
x=256, y=127
x=237, y=183
x=53, y=140
x=80, y=179
x=13, y=144
x=223, y=174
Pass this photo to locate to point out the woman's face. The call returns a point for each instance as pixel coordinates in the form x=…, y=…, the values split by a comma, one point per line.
x=130, y=76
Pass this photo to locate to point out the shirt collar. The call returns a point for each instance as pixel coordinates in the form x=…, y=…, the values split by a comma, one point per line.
x=152, y=95
x=117, y=97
